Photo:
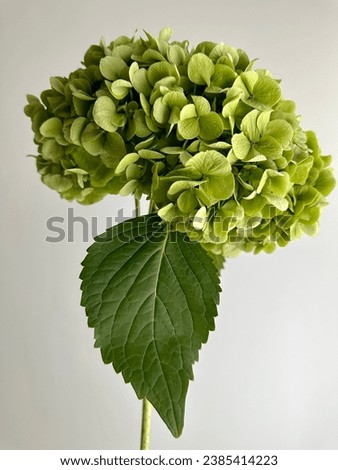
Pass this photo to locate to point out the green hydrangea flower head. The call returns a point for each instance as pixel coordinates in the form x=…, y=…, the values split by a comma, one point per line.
x=208, y=138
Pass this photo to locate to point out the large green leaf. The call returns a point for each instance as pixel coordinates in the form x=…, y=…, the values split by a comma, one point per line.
x=151, y=296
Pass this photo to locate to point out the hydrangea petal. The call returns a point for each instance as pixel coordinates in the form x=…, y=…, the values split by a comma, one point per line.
x=200, y=69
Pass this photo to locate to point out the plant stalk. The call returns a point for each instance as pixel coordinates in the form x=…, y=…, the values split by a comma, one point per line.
x=146, y=422
x=137, y=207
x=146, y=405
x=151, y=206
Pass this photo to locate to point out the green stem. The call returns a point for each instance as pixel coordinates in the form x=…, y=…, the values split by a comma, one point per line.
x=151, y=206
x=146, y=406
x=137, y=207
x=146, y=422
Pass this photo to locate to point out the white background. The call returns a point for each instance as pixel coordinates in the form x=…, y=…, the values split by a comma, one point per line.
x=268, y=377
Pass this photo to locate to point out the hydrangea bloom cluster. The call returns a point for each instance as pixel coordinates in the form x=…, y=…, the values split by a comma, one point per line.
x=209, y=140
